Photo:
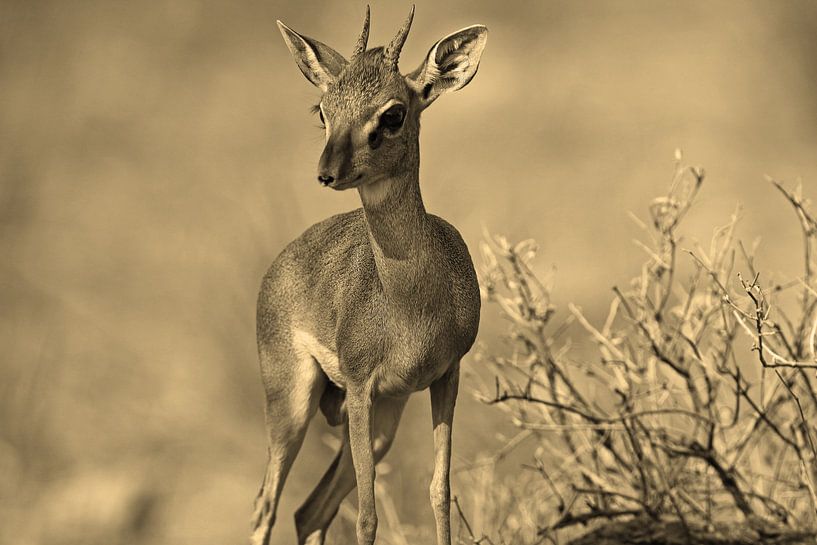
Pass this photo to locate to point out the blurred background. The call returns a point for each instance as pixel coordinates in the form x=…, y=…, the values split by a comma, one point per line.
x=155, y=158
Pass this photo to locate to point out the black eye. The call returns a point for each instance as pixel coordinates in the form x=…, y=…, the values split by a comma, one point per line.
x=320, y=116
x=393, y=118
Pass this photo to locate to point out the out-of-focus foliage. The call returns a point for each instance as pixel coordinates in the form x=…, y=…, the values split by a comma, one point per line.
x=698, y=405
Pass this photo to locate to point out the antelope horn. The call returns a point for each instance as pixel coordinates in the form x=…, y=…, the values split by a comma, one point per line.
x=392, y=53
x=360, y=46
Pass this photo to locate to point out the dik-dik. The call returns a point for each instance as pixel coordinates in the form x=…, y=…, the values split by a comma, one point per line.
x=370, y=306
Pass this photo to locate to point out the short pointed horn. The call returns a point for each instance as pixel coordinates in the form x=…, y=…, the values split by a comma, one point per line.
x=392, y=53
x=363, y=40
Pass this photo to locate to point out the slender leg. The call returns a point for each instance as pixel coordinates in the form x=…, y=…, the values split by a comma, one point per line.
x=359, y=408
x=290, y=406
x=443, y=399
x=316, y=514
x=313, y=517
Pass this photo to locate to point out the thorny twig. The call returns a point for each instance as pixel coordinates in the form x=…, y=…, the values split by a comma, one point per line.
x=675, y=415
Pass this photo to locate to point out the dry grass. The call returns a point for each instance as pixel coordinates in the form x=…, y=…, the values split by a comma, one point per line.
x=696, y=404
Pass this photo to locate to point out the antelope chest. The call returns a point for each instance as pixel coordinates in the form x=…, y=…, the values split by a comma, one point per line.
x=404, y=357
x=418, y=354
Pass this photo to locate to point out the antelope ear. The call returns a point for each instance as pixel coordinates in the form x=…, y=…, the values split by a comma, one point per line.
x=450, y=64
x=319, y=63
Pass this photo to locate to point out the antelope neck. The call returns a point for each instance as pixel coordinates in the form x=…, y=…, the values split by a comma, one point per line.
x=399, y=232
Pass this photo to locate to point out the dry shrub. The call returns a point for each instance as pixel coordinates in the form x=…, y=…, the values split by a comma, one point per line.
x=696, y=406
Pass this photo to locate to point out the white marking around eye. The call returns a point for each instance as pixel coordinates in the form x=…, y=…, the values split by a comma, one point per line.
x=325, y=123
x=373, y=121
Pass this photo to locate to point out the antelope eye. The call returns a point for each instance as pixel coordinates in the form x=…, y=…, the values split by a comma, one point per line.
x=316, y=109
x=393, y=118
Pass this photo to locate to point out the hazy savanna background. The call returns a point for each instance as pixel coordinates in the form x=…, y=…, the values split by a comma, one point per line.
x=156, y=156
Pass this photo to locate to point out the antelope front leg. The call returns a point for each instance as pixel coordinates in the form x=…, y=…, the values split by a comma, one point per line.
x=359, y=410
x=443, y=399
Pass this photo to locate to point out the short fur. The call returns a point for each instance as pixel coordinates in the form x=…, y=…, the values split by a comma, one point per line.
x=372, y=305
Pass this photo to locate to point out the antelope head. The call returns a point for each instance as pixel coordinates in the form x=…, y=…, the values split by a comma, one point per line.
x=369, y=110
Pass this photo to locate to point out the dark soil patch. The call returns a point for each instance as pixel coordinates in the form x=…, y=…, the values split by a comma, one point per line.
x=650, y=532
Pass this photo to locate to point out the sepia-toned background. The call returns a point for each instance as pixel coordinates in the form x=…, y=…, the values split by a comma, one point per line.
x=156, y=156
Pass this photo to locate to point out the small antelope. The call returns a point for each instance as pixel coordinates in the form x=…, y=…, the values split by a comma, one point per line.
x=369, y=306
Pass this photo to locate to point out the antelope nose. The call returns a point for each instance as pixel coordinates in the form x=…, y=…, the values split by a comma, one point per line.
x=325, y=179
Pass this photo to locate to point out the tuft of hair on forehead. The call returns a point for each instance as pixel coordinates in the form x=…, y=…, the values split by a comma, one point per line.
x=370, y=61
x=366, y=76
